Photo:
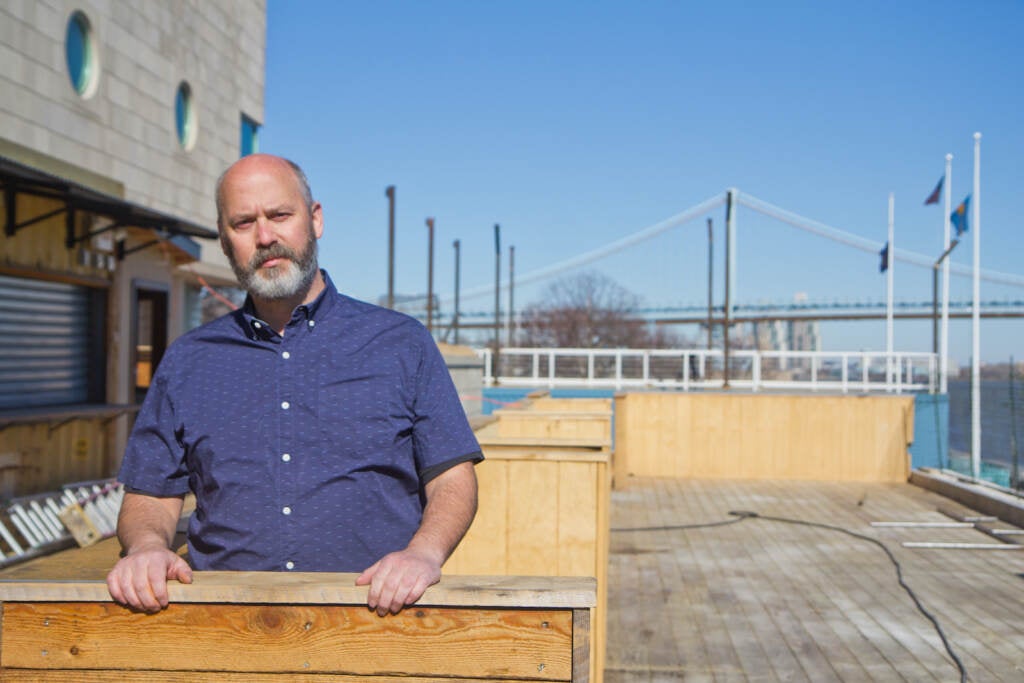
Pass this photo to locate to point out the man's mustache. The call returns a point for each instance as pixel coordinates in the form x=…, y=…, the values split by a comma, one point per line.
x=273, y=251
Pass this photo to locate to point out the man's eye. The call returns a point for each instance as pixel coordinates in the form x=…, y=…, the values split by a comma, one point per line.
x=243, y=225
x=280, y=216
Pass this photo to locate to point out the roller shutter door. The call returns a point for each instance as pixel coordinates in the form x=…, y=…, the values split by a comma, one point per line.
x=45, y=343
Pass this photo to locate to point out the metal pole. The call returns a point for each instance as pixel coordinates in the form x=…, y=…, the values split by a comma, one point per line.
x=729, y=210
x=430, y=275
x=455, y=319
x=711, y=279
x=935, y=308
x=511, y=329
x=889, y=327
x=941, y=261
x=976, y=319
x=390, y=193
x=497, y=302
x=944, y=347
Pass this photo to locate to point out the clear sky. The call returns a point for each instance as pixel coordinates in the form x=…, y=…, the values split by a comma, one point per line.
x=575, y=124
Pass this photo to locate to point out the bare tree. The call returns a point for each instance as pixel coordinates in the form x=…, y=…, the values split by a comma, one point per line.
x=588, y=310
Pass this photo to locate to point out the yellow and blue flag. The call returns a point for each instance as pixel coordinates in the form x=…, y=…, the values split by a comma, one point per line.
x=959, y=216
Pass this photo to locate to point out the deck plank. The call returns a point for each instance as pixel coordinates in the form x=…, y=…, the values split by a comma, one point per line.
x=767, y=601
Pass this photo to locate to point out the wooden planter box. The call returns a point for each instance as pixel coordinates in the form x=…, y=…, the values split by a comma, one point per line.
x=256, y=626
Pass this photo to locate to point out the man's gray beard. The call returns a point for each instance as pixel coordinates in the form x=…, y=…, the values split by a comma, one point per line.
x=292, y=277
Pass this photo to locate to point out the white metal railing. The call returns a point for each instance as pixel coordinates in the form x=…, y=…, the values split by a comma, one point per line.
x=686, y=369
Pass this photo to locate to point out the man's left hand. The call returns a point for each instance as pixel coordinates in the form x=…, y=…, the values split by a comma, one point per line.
x=399, y=579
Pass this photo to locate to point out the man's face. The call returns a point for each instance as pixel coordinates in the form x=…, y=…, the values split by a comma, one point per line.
x=268, y=233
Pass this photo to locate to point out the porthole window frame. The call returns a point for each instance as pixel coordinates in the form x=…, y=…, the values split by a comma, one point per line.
x=186, y=122
x=83, y=69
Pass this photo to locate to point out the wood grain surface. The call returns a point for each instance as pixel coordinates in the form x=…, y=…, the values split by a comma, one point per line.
x=427, y=641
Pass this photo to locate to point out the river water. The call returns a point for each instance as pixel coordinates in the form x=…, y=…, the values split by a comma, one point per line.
x=999, y=425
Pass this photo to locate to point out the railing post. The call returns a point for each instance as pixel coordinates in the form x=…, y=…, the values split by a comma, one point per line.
x=755, y=372
x=686, y=370
x=846, y=373
x=865, y=361
x=814, y=373
x=551, y=369
x=618, y=369
x=536, y=365
x=647, y=367
x=590, y=367
x=488, y=378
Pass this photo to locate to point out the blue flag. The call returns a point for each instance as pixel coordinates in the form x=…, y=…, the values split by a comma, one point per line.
x=959, y=216
x=933, y=198
x=884, y=265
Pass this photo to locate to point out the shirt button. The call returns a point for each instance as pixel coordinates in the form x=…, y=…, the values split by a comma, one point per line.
x=286, y=457
x=285, y=405
x=286, y=510
x=289, y=565
x=286, y=355
x=312, y=323
x=257, y=325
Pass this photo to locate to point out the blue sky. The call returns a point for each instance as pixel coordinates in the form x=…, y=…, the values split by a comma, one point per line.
x=574, y=124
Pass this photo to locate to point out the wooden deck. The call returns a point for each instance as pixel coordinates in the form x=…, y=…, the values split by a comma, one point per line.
x=763, y=600
x=768, y=601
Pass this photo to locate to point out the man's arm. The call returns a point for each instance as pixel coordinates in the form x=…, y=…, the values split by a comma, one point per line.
x=146, y=528
x=400, y=578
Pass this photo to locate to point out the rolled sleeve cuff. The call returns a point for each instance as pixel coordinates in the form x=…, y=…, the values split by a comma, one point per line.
x=434, y=470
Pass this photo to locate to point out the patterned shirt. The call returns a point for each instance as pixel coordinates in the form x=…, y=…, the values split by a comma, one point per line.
x=307, y=451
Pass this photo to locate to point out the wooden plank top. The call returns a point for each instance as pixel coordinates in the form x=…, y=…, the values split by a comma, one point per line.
x=548, y=453
x=539, y=441
x=544, y=414
x=327, y=588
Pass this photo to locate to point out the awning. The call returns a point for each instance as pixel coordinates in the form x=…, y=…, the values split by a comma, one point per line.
x=19, y=179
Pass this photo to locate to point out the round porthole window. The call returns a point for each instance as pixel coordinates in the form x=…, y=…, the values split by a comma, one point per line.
x=185, y=116
x=81, y=54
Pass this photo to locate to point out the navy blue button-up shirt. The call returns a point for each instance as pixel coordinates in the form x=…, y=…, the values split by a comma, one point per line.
x=307, y=451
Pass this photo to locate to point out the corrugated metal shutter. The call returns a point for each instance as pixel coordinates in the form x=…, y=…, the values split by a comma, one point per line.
x=44, y=343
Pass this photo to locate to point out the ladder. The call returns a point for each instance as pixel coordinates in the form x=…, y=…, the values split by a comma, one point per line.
x=82, y=512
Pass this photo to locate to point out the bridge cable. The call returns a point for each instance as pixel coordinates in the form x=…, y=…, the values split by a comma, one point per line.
x=871, y=246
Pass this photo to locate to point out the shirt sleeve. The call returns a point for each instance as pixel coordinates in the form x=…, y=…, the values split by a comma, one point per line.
x=154, y=459
x=442, y=436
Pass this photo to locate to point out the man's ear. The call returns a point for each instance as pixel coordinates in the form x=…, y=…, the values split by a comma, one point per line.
x=317, y=213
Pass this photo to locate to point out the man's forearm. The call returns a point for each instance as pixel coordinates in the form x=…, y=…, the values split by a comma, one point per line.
x=147, y=522
x=451, y=506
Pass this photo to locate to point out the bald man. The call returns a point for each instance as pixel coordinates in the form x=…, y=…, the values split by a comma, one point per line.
x=317, y=432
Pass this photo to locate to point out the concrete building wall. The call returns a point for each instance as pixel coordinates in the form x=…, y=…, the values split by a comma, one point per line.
x=124, y=130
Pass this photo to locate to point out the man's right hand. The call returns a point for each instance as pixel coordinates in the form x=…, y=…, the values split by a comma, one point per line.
x=139, y=580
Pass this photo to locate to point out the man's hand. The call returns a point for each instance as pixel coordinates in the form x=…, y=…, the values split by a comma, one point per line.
x=139, y=580
x=399, y=579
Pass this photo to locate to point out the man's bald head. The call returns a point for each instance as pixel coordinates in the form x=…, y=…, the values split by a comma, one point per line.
x=253, y=162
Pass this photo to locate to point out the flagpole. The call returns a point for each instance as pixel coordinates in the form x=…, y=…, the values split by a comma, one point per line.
x=976, y=319
x=890, y=260
x=944, y=344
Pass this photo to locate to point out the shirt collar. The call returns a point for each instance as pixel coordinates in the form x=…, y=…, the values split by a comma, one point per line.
x=317, y=309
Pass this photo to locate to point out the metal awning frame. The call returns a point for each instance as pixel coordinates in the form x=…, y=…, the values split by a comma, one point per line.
x=18, y=179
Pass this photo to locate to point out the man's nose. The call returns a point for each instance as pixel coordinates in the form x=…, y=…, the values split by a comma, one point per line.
x=265, y=235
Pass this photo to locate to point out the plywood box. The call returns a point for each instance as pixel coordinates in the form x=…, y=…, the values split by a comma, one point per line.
x=544, y=507
x=763, y=436
x=255, y=626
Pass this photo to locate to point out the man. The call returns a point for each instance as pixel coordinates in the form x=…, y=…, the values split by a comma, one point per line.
x=318, y=433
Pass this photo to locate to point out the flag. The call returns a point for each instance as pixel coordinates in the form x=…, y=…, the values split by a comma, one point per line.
x=959, y=217
x=884, y=265
x=933, y=198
